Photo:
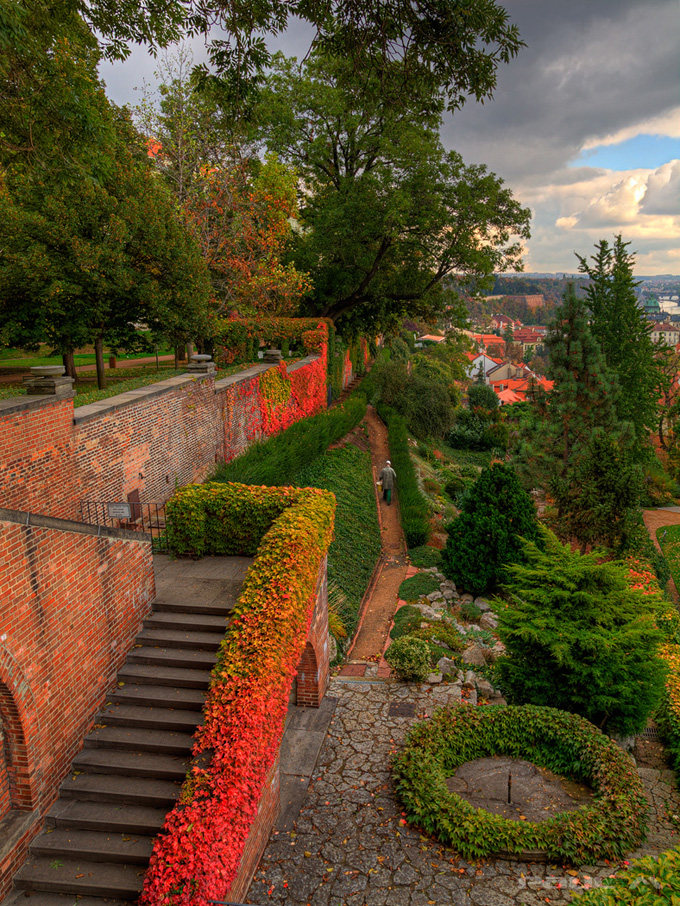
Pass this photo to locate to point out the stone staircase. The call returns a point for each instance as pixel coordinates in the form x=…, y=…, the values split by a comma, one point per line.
x=98, y=836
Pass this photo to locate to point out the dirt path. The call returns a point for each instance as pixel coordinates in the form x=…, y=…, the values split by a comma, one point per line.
x=655, y=519
x=380, y=601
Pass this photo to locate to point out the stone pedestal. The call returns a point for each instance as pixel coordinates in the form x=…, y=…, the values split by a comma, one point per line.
x=48, y=380
x=201, y=364
x=272, y=356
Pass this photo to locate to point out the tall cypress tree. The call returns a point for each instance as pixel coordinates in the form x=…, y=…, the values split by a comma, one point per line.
x=587, y=451
x=621, y=328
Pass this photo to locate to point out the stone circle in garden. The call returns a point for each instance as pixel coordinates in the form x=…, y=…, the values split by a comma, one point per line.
x=558, y=757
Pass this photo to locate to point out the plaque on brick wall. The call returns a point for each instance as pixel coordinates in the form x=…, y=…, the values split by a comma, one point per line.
x=119, y=510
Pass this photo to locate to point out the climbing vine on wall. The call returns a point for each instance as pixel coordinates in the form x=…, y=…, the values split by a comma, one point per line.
x=197, y=857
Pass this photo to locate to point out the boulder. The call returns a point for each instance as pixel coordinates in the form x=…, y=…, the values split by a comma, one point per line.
x=435, y=596
x=466, y=599
x=446, y=666
x=449, y=595
x=471, y=697
x=488, y=621
x=469, y=679
x=428, y=612
x=484, y=689
x=482, y=604
x=434, y=678
x=474, y=656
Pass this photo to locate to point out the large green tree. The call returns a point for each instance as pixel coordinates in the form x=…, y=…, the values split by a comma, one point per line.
x=90, y=240
x=623, y=332
x=387, y=215
x=578, y=449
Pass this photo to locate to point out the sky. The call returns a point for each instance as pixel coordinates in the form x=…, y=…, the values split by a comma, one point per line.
x=584, y=126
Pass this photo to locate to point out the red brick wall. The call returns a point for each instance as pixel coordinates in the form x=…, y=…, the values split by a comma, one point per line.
x=52, y=457
x=267, y=813
x=37, y=457
x=313, y=670
x=73, y=603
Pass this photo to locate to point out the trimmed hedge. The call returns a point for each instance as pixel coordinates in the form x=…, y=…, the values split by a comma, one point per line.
x=413, y=507
x=280, y=459
x=612, y=825
x=196, y=857
x=652, y=881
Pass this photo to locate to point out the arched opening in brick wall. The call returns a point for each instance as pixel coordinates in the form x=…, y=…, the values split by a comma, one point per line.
x=309, y=692
x=15, y=786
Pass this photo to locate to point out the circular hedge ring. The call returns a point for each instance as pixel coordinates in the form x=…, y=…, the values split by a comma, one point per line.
x=607, y=828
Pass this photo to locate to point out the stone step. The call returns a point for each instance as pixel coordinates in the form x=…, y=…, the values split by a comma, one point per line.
x=158, y=696
x=158, y=675
x=93, y=846
x=110, y=817
x=219, y=608
x=176, y=638
x=167, y=742
x=114, y=788
x=42, y=898
x=192, y=622
x=76, y=876
x=151, y=717
x=172, y=657
x=131, y=764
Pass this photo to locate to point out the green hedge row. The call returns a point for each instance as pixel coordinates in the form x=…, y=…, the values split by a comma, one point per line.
x=608, y=827
x=413, y=506
x=278, y=460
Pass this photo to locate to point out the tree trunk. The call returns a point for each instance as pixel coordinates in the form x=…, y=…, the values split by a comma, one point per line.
x=69, y=364
x=190, y=350
x=99, y=359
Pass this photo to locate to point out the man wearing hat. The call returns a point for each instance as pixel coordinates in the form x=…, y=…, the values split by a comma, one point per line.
x=387, y=477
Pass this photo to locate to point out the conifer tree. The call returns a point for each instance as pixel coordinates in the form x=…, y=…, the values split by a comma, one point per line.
x=623, y=332
x=586, y=453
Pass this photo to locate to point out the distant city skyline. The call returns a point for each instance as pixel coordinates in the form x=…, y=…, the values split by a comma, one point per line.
x=584, y=127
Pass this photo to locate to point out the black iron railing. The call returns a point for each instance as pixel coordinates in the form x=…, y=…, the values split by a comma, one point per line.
x=132, y=515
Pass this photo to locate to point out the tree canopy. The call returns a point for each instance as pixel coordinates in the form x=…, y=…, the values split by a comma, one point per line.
x=386, y=213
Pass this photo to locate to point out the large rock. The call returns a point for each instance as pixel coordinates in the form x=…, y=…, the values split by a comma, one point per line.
x=488, y=621
x=465, y=599
x=474, y=656
x=483, y=605
x=446, y=666
x=428, y=612
x=434, y=678
x=484, y=689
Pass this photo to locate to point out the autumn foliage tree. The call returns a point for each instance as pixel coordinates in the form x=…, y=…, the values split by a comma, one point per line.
x=242, y=216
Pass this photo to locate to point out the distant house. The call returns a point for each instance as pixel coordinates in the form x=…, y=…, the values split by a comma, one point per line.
x=516, y=390
x=666, y=333
x=481, y=361
x=485, y=340
x=430, y=338
x=503, y=322
x=529, y=337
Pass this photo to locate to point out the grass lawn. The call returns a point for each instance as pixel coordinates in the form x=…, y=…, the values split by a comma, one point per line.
x=355, y=550
x=479, y=458
x=668, y=537
x=19, y=358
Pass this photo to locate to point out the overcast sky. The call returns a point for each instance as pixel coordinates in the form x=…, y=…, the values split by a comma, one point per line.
x=584, y=126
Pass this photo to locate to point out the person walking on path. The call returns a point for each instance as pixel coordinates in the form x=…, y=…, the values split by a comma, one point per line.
x=387, y=477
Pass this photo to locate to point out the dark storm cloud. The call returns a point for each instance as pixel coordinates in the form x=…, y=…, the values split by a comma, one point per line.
x=590, y=68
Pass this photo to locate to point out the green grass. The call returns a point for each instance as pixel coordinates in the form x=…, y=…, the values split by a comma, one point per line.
x=19, y=358
x=668, y=537
x=481, y=459
x=418, y=586
x=346, y=471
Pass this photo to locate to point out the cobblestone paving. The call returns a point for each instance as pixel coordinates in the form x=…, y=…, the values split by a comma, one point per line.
x=350, y=848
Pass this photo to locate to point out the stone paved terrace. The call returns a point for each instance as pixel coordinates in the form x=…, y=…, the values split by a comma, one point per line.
x=349, y=846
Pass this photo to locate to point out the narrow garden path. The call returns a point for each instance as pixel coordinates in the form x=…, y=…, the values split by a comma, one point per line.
x=380, y=602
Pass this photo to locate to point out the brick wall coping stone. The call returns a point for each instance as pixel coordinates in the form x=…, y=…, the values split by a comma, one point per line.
x=70, y=525
x=20, y=403
x=240, y=376
x=94, y=410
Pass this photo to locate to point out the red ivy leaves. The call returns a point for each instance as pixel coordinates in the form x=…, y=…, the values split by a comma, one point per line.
x=198, y=856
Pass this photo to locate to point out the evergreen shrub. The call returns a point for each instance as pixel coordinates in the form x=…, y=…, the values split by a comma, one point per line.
x=579, y=637
x=608, y=827
x=409, y=658
x=495, y=513
x=425, y=556
x=418, y=586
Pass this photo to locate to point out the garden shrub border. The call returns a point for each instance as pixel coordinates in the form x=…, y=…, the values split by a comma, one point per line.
x=414, y=508
x=651, y=881
x=567, y=744
x=197, y=856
